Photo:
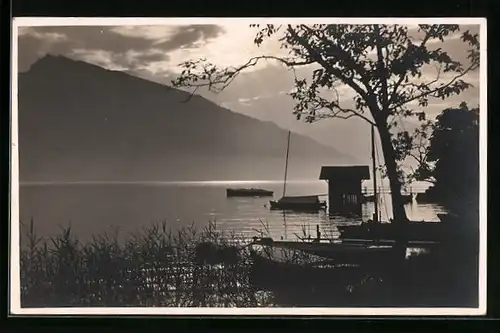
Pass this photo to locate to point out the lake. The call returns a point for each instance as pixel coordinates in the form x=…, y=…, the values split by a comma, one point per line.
x=96, y=207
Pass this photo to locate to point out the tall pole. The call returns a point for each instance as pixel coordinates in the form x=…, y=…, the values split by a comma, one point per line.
x=374, y=168
x=286, y=163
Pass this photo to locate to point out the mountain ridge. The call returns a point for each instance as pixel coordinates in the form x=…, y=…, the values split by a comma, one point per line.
x=72, y=113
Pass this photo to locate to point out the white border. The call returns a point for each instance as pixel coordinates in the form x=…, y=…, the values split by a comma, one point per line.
x=15, y=304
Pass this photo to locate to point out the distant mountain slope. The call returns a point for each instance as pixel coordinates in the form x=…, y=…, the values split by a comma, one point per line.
x=78, y=121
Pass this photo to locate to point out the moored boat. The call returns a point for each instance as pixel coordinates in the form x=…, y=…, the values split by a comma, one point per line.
x=417, y=231
x=340, y=253
x=407, y=198
x=248, y=192
x=271, y=273
x=299, y=203
x=305, y=203
x=368, y=198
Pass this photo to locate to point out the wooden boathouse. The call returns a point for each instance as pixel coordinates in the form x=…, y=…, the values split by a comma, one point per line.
x=344, y=187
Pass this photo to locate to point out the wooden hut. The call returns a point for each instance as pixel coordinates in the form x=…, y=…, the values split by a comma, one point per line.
x=344, y=187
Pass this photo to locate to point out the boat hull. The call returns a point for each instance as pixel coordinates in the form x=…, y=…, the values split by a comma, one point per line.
x=269, y=274
x=417, y=231
x=248, y=193
x=338, y=253
x=276, y=205
x=407, y=198
x=368, y=198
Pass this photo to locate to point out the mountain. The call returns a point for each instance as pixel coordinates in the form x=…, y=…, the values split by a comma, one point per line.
x=81, y=122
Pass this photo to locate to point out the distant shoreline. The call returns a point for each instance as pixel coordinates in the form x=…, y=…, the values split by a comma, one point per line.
x=168, y=182
x=367, y=183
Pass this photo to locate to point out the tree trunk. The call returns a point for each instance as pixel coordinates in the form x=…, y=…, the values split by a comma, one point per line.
x=385, y=137
x=397, y=274
x=395, y=184
x=399, y=214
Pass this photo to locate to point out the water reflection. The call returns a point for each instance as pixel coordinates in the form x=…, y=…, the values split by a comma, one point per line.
x=92, y=208
x=292, y=225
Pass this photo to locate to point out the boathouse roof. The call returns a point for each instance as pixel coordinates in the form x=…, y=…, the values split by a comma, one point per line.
x=345, y=172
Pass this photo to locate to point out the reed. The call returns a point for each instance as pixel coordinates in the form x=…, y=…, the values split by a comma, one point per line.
x=191, y=267
x=156, y=266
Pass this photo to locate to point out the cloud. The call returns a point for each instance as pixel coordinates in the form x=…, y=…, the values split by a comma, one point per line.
x=277, y=78
x=249, y=101
x=154, y=52
x=124, y=47
x=189, y=36
x=235, y=48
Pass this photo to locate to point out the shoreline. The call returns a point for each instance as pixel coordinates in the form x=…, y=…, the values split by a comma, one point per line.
x=147, y=270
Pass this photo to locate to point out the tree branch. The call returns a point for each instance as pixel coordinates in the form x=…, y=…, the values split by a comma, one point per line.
x=316, y=56
x=358, y=114
x=430, y=92
x=403, y=75
x=352, y=114
x=345, y=56
x=315, y=103
x=415, y=85
x=381, y=72
x=191, y=94
x=226, y=77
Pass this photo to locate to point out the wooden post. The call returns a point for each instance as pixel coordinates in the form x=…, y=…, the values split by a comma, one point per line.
x=374, y=175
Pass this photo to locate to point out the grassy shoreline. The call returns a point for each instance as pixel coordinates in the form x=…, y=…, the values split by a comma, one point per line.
x=153, y=267
x=160, y=267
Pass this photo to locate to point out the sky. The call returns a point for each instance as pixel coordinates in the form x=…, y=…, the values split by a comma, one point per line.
x=155, y=52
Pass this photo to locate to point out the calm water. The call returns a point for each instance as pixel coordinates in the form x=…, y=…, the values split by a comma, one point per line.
x=97, y=207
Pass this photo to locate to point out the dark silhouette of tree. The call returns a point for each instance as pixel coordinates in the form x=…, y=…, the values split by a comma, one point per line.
x=451, y=160
x=383, y=65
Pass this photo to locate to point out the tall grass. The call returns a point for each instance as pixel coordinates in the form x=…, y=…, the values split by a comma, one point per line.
x=192, y=267
x=153, y=267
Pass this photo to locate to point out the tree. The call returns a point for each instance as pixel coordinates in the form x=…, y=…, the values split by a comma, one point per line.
x=451, y=159
x=381, y=64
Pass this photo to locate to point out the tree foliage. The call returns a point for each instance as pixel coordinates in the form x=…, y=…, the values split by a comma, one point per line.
x=451, y=159
x=384, y=67
x=384, y=82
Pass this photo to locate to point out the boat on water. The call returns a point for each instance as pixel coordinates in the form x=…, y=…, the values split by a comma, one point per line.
x=368, y=198
x=285, y=265
x=305, y=203
x=320, y=265
x=271, y=273
x=338, y=252
x=417, y=231
x=376, y=229
x=248, y=192
x=300, y=203
x=407, y=198
x=365, y=245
